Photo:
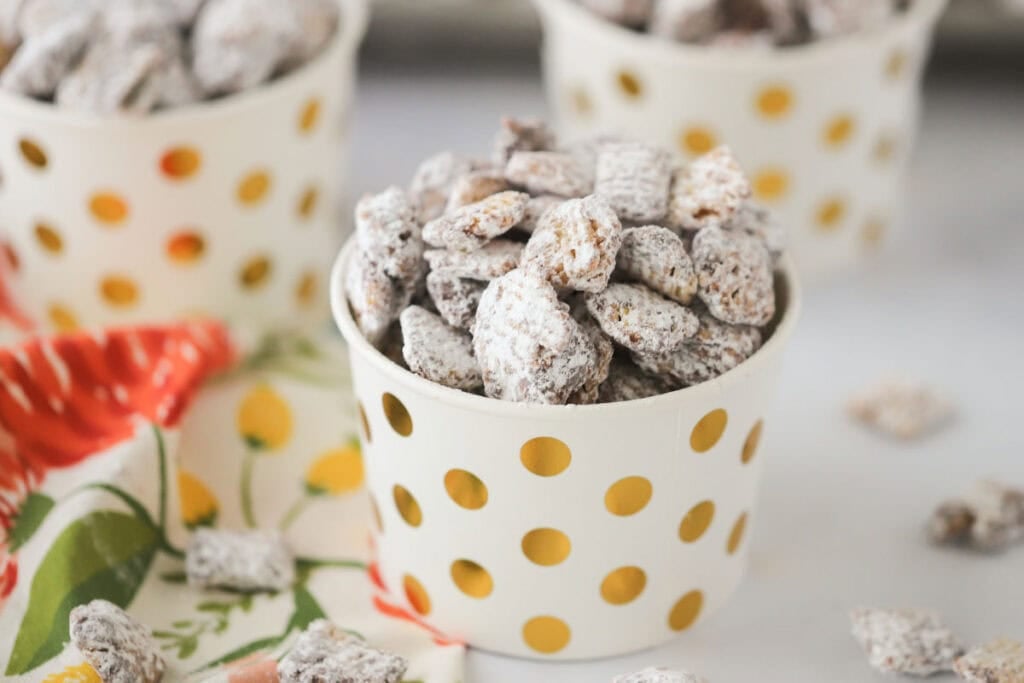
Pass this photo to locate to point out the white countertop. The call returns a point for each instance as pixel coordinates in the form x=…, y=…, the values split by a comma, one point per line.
x=841, y=515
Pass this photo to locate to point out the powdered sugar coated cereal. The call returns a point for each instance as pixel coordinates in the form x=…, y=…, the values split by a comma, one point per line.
x=755, y=219
x=44, y=59
x=905, y=641
x=118, y=647
x=688, y=21
x=634, y=179
x=556, y=173
x=1000, y=661
x=900, y=407
x=473, y=226
x=374, y=298
x=474, y=187
x=640, y=319
x=657, y=257
x=493, y=260
x=456, y=298
x=387, y=231
x=708, y=191
x=438, y=352
x=734, y=276
x=658, y=675
x=604, y=349
x=239, y=560
x=535, y=210
x=433, y=181
x=627, y=382
x=324, y=652
x=521, y=135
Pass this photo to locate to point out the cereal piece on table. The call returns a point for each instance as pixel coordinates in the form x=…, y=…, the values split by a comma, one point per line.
x=44, y=59
x=735, y=278
x=494, y=260
x=438, y=352
x=433, y=181
x=474, y=187
x=374, y=298
x=238, y=44
x=473, y=226
x=603, y=347
x=575, y=244
x=1001, y=661
x=386, y=229
x=829, y=18
x=535, y=210
x=113, y=79
x=998, y=512
x=530, y=349
x=759, y=221
x=631, y=13
x=456, y=298
x=714, y=350
x=641, y=319
x=658, y=675
x=118, y=647
x=951, y=523
x=317, y=22
x=707, y=192
x=239, y=560
x=634, y=179
x=657, y=257
x=900, y=408
x=905, y=641
x=627, y=382
x=521, y=135
x=556, y=173
x=687, y=21
x=324, y=652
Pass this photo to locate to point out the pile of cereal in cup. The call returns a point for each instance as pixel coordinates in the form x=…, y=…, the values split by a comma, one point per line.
x=748, y=22
x=599, y=272
x=136, y=56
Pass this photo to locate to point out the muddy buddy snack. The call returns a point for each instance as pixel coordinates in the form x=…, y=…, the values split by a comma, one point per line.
x=990, y=518
x=119, y=648
x=743, y=23
x=247, y=561
x=905, y=641
x=900, y=408
x=137, y=56
x=1001, y=661
x=324, y=652
x=537, y=285
x=653, y=675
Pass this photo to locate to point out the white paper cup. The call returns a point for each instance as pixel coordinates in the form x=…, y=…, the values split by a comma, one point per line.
x=469, y=489
x=824, y=129
x=226, y=208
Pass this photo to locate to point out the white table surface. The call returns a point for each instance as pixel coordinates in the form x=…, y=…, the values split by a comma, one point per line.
x=841, y=514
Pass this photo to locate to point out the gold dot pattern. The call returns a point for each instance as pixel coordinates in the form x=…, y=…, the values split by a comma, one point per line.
x=185, y=247
x=696, y=522
x=580, y=102
x=545, y=456
x=628, y=496
x=466, y=489
x=774, y=102
x=736, y=535
x=830, y=214
x=416, y=594
x=255, y=272
x=180, y=163
x=709, y=430
x=305, y=290
x=697, y=140
x=397, y=414
x=472, y=579
x=896, y=64
x=62, y=319
x=686, y=611
x=407, y=506
x=885, y=149
x=751, y=443
x=119, y=291
x=546, y=635
x=108, y=208
x=33, y=153
x=771, y=184
x=48, y=238
x=307, y=203
x=630, y=84
x=624, y=585
x=365, y=423
x=253, y=188
x=310, y=115
x=838, y=131
x=546, y=547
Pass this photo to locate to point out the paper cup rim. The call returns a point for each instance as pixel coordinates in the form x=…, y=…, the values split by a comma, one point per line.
x=360, y=348
x=353, y=21
x=921, y=12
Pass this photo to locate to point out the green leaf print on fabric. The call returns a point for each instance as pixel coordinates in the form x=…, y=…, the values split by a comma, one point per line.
x=307, y=610
x=29, y=519
x=105, y=554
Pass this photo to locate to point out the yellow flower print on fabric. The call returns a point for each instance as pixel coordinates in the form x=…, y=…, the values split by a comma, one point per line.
x=264, y=419
x=82, y=673
x=336, y=472
x=199, y=506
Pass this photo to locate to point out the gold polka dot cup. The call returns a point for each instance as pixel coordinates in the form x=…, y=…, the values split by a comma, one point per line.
x=228, y=208
x=563, y=532
x=824, y=130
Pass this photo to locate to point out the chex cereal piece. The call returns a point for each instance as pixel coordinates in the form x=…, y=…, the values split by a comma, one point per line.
x=438, y=352
x=735, y=277
x=755, y=219
x=627, y=382
x=375, y=299
x=715, y=349
x=530, y=349
x=386, y=230
x=786, y=21
x=494, y=260
x=829, y=18
x=633, y=13
x=36, y=17
x=951, y=523
x=535, y=210
x=657, y=257
x=603, y=347
x=456, y=298
x=998, y=512
x=688, y=21
x=392, y=344
x=1001, y=661
x=118, y=647
x=114, y=79
x=473, y=226
x=658, y=675
x=575, y=244
x=474, y=187
x=634, y=179
x=324, y=653
x=239, y=560
x=557, y=173
x=587, y=150
x=641, y=319
x=43, y=60
x=900, y=408
x=708, y=191
x=433, y=182
x=317, y=21
x=905, y=641
x=521, y=135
